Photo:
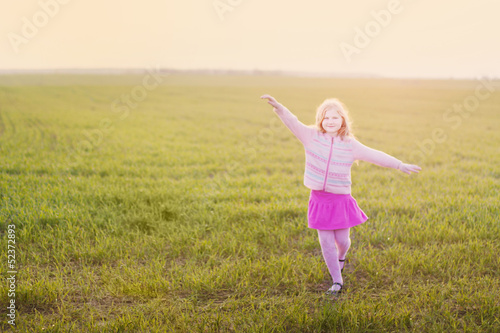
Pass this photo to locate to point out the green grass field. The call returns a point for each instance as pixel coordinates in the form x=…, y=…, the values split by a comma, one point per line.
x=185, y=210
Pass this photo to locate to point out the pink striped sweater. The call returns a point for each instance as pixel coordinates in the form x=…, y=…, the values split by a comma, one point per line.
x=329, y=159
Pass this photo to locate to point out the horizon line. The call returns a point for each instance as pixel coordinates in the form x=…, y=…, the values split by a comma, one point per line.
x=249, y=72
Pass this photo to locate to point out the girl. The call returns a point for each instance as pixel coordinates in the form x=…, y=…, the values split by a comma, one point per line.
x=330, y=149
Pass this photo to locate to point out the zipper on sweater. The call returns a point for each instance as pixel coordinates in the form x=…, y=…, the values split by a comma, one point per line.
x=328, y=164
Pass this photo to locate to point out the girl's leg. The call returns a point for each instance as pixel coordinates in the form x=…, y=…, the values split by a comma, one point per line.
x=329, y=249
x=343, y=242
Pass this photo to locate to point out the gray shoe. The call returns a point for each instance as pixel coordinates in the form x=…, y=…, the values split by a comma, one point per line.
x=334, y=292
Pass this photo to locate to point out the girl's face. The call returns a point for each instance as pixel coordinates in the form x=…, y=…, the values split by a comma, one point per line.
x=332, y=122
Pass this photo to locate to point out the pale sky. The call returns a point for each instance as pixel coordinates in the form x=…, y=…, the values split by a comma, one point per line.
x=410, y=38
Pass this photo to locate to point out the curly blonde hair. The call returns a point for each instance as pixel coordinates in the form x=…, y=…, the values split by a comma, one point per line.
x=335, y=105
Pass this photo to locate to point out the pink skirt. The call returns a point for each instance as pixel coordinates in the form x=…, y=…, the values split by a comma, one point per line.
x=330, y=211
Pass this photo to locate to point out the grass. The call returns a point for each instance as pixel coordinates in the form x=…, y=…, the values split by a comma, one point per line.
x=185, y=211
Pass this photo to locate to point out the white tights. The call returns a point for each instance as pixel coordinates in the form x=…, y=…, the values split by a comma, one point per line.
x=334, y=245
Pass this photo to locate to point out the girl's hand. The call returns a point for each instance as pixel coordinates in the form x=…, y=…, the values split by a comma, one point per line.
x=409, y=168
x=271, y=100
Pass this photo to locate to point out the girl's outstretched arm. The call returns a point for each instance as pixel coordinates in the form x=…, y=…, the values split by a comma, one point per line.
x=409, y=168
x=274, y=103
x=301, y=131
x=364, y=153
